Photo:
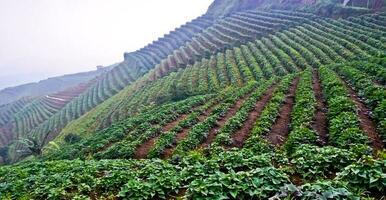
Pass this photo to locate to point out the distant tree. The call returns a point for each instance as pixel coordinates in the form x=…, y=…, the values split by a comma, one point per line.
x=3, y=155
x=4, y=152
x=32, y=145
x=72, y=138
x=178, y=92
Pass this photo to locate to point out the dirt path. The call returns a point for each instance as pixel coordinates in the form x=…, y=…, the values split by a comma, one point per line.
x=241, y=135
x=280, y=129
x=144, y=148
x=220, y=123
x=320, y=117
x=367, y=125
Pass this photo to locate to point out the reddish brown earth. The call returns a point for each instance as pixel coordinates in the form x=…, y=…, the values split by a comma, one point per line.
x=220, y=123
x=296, y=179
x=168, y=152
x=281, y=128
x=107, y=146
x=366, y=123
x=181, y=193
x=144, y=148
x=241, y=135
x=320, y=117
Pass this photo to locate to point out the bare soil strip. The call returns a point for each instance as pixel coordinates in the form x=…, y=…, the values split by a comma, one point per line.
x=144, y=148
x=366, y=123
x=280, y=129
x=241, y=135
x=220, y=123
x=168, y=152
x=320, y=123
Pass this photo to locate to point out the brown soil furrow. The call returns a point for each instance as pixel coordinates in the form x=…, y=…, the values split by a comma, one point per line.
x=220, y=123
x=168, y=152
x=174, y=123
x=241, y=135
x=144, y=148
x=366, y=123
x=281, y=128
x=320, y=117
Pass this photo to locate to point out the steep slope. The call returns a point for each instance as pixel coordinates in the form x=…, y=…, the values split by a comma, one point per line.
x=238, y=28
x=121, y=75
x=112, y=110
x=179, y=127
x=248, y=108
x=8, y=110
x=327, y=8
x=313, y=44
x=48, y=86
x=191, y=42
x=24, y=115
x=7, y=113
x=217, y=37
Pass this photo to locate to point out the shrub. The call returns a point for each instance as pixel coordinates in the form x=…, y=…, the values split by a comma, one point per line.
x=72, y=138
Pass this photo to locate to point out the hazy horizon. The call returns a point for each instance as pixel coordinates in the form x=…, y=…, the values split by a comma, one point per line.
x=46, y=38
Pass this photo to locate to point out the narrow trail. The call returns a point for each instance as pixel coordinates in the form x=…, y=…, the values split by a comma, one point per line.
x=281, y=128
x=144, y=148
x=320, y=123
x=220, y=123
x=168, y=152
x=241, y=135
x=366, y=123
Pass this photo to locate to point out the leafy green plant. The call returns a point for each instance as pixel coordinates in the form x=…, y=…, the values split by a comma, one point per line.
x=269, y=114
x=302, y=114
x=258, y=183
x=344, y=126
x=373, y=94
x=312, y=162
x=299, y=137
x=72, y=138
x=236, y=121
x=316, y=190
x=366, y=175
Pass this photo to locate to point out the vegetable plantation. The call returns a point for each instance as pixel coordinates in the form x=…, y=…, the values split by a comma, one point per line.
x=260, y=104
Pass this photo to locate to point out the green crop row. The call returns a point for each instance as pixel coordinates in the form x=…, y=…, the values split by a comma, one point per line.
x=344, y=129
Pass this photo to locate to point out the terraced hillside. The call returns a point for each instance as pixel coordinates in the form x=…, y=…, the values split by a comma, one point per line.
x=221, y=35
x=311, y=44
x=211, y=40
x=260, y=104
x=48, y=86
x=51, y=120
x=7, y=112
x=242, y=135
x=23, y=115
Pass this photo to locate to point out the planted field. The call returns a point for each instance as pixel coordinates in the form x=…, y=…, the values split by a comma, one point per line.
x=280, y=154
x=262, y=104
x=24, y=115
x=202, y=38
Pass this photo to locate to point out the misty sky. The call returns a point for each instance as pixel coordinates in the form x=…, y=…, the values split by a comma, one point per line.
x=45, y=38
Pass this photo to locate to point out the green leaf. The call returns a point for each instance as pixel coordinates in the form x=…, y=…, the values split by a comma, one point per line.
x=233, y=193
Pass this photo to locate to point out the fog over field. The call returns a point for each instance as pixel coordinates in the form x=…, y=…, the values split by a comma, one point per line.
x=45, y=38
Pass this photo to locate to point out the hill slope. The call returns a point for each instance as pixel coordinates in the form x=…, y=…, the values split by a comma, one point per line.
x=201, y=38
x=45, y=87
x=286, y=52
x=255, y=104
